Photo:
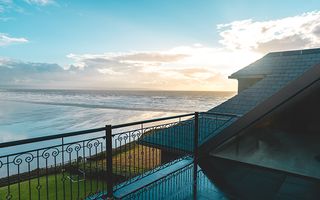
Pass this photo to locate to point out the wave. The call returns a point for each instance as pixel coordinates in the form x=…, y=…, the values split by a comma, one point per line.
x=82, y=105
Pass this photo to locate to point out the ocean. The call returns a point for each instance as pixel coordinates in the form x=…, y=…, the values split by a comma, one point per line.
x=27, y=113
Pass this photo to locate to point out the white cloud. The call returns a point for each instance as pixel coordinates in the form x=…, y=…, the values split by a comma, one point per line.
x=133, y=58
x=5, y=19
x=194, y=67
x=4, y=5
x=108, y=71
x=5, y=2
x=5, y=40
x=301, y=31
x=40, y=2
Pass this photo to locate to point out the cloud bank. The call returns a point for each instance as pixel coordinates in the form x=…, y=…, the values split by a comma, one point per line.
x=301, y=31
x=181, y=68
x=193, y=67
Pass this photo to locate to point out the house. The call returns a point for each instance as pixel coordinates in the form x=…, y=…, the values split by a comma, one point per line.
x=263, y=143
x=267, y=148
x=271, y=151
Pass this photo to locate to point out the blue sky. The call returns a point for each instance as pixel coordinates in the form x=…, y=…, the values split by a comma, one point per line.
x=174, y=41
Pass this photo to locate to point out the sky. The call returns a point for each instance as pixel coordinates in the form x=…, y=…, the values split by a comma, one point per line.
x=146, y=44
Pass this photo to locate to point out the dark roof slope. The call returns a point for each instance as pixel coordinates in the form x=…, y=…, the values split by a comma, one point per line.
x=280, y=62
x=271, y=93
x=278, y=69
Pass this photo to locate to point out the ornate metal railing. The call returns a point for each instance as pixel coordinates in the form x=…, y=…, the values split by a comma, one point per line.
x=53, y=167
x=78, y=164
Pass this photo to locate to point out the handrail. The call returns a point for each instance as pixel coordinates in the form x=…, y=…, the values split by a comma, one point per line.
x=50, y=137
x=75, y=133
x=221, y=114
x=149, y=121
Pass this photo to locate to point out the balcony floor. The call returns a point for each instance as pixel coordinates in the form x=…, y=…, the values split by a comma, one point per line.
x=172, y=182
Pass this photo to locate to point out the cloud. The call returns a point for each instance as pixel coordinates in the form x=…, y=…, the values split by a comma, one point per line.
x=5, y=2
x=16, y=73
x=193, y=67
x=123, y=59
x=4, y=5
x=6, y=40
x=40, y=2
x=5, y=19
x=8, y=8
x=151, y=57
x=301, y=31
x=181, y=68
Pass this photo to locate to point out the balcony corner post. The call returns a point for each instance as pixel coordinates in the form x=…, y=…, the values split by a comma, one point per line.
x=109, y=161
x=195, y=153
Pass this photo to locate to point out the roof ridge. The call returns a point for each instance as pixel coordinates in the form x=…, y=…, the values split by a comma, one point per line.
x=293, y=52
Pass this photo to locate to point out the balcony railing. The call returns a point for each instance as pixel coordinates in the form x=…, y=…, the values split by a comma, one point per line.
x=78, y=164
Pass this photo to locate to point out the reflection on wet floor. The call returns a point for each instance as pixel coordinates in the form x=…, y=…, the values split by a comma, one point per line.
x=172, y=182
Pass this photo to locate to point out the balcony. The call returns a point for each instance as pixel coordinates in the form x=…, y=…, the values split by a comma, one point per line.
x=153, y=158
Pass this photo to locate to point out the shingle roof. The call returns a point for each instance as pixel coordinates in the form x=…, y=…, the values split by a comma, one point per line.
x=279, y=69
x=281, y=62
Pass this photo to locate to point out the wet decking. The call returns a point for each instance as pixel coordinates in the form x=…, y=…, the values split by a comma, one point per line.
x=246, y=181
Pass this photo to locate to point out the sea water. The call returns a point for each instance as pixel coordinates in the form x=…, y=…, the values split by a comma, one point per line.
x=26, y=113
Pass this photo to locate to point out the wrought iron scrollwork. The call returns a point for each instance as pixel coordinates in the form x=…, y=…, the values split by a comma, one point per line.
x=93, y=143
x=17, y=160
x=54, y=152
x=73, y=147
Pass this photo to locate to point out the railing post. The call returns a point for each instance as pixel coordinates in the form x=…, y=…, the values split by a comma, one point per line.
x=195, y=153
x=109, y=161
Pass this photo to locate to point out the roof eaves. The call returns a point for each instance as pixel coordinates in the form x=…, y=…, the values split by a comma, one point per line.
x=238, y=76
